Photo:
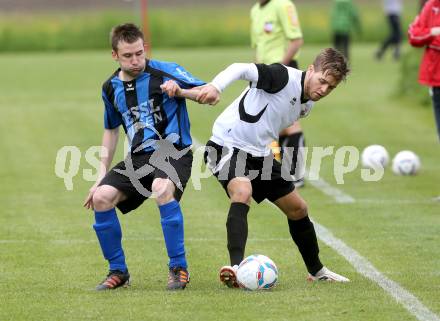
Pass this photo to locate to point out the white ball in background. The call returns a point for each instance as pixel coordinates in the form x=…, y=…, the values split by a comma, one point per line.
x=374, y=156
x=406, y=163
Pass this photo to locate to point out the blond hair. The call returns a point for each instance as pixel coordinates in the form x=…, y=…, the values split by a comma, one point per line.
x=333, y=62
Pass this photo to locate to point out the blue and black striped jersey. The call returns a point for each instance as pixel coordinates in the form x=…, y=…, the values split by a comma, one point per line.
x=143, y=110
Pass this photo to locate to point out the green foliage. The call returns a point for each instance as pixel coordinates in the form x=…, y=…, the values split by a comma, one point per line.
x=173, y=27
x=204, y=27
x=74, y=31
x=408, y=85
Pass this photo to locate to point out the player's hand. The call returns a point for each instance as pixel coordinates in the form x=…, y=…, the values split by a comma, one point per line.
x=88, y=203
x=208, y=95
x=435, y=31
x=171, y=88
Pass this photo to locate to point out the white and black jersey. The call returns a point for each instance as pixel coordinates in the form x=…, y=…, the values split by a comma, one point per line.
x=273, y=100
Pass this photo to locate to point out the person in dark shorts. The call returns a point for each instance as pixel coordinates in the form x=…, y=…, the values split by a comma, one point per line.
x=239, y=155
x=159, y=161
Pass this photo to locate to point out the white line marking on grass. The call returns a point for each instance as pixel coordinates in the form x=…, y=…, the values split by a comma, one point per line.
x=326, y=188
x=364, y=267
x=361, y=264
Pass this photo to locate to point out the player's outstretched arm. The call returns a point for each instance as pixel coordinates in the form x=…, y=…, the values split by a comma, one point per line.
x=210, y=93
x=236, y=71
x=172, y=89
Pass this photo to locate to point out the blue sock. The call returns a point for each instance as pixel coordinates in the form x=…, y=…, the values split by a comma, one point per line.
x=172, y=227
x=108, y=231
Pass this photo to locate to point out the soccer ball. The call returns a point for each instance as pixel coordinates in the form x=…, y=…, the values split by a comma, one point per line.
x=406, y=163
x=374, y=156
x=257, y=272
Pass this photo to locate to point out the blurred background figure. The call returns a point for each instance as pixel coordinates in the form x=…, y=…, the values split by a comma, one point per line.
x=277, y=37
x=424, y=31
x=344, y=18
x=393, y=10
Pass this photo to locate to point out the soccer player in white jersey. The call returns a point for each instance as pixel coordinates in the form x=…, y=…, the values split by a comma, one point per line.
x=238, y=151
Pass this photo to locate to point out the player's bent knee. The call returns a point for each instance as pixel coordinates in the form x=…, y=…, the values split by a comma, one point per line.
x=241, y=193
x=160, y=186
x=300, y=211
x=163, y=189
x=102, y=201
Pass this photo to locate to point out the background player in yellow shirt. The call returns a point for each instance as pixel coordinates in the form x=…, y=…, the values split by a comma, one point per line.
x=277, y=37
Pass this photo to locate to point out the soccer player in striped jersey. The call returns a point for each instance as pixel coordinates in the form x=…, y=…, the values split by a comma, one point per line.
x=158, y=163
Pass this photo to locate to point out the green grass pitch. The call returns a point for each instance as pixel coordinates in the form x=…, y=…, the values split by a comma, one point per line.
x=50, y=261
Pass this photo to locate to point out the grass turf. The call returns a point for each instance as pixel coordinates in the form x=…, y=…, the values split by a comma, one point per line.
x=50, y=260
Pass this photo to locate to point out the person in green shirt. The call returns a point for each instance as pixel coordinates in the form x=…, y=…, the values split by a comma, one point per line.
x=344, y=18
x=277, y=37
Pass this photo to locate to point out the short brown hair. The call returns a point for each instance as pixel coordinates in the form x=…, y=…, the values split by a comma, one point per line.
x=127, y=32
x=333, y=62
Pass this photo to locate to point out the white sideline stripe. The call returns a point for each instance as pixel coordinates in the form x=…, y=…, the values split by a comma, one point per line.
x=326, y=188
x=364, y=267
x=361, y=264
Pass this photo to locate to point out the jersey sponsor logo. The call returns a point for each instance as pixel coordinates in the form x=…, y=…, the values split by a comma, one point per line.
x=244, y=116
x=436, y=10
x=155, y=111
x=268, y=27
x=132, y=118
x=153, y=114
x=135, y=113
x=293, y=101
